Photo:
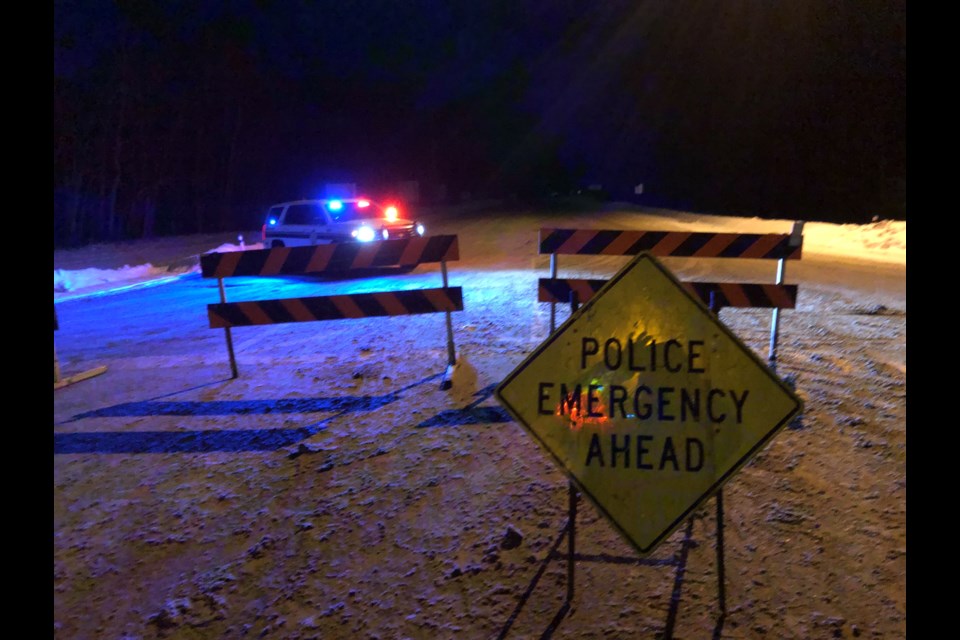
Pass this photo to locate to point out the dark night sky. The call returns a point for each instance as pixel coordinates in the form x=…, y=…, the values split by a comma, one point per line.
x=771, y=108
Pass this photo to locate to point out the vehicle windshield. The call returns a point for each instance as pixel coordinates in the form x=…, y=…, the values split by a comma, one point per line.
x=346, y=211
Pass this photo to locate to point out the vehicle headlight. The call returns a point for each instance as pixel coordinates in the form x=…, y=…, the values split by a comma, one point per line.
x=364, y=234
x=420, y=229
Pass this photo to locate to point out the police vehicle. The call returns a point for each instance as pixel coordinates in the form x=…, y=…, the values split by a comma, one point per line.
x=309, y=222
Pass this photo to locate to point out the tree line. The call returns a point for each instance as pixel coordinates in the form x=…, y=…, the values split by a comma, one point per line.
x=178, y=118
x=173, y=124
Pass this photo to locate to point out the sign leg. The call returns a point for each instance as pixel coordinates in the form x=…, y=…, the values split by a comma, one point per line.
x=721, y=573
x=572, y=525
x=553, y=306
x=571, y=541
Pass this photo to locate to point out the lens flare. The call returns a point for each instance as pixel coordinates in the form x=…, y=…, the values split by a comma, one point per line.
x=364, y=234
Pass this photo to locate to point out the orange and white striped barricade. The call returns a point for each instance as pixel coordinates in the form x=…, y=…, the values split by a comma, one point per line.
x=686, y=244
x=335, y=258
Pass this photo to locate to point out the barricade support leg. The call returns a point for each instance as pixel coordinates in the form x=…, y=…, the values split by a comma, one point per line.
x=447, y=381
x=721, y=571
x=233, y=360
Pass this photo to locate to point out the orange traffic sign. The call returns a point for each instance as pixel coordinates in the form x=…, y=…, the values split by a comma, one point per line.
x=647, y=401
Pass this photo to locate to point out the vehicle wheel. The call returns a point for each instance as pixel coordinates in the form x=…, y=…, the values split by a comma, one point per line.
x=276, y=244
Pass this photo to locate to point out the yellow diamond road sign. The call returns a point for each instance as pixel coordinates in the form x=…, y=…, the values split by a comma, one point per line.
x=647, y=401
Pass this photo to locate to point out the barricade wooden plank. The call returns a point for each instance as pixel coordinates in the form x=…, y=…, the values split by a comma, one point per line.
x=745, y=295
x=559, y=289
x=77, y=377
x=342, y=256
x=726, y=294
x=58, y=381
x=668, y=244
x=358, y=305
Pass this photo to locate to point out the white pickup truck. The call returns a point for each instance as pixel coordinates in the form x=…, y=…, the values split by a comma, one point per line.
x=310, y=222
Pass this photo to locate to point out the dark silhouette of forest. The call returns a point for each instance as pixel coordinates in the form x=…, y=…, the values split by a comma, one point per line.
x=191, y=117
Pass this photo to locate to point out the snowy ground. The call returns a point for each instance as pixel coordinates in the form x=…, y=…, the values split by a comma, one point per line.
x=334, y=491
x=108, y=267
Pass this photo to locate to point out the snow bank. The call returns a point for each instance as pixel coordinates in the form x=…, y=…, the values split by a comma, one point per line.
x=93, y=279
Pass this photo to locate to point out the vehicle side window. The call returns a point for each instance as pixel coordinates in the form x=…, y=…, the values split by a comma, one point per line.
x=304, y=214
